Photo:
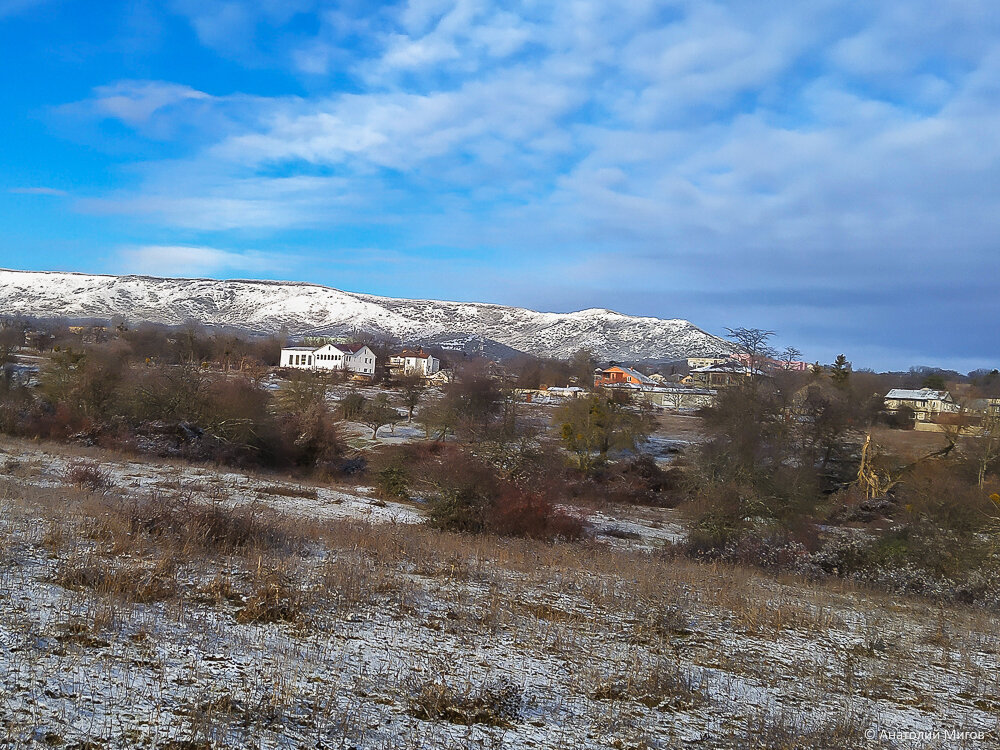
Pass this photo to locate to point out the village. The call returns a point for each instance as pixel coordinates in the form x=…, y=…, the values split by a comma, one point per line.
x=682, y=386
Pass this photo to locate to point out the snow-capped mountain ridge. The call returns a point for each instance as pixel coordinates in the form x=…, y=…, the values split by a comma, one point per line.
x=303, y=308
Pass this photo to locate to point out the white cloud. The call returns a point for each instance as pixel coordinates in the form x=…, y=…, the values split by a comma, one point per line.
x=193, y=261
x=135, y=102
x=50, y=191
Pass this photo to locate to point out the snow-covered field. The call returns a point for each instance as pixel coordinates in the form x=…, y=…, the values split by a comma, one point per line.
x=386, y=634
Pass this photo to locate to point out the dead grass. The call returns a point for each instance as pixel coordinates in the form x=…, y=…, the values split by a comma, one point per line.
x=785, y=730
x=495, y=703
x=287, y=490
x=275, y=597
x=131, y=580
x=663, y=685
x=607, y=643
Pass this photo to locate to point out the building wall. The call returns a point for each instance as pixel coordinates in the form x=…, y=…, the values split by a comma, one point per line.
x=301, y=359
x=330, y=358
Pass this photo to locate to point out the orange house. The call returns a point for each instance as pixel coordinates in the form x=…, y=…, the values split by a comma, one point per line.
x=621, y=376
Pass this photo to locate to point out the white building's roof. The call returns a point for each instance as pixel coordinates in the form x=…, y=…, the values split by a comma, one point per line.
x=730, y=365
x=922, y=394
x=299, y=348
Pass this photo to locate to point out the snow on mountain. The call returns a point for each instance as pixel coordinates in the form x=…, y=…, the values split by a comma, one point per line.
x=301, y=308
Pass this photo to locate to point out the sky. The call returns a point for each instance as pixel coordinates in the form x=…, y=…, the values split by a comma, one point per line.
x=826, y=169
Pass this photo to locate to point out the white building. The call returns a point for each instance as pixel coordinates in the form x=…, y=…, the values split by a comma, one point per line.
x=710, y=361
x=353, y=358
x=926, y=403
x=418, y=362
x=573, y=391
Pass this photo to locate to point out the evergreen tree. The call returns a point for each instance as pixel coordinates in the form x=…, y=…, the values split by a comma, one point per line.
x=840, y=372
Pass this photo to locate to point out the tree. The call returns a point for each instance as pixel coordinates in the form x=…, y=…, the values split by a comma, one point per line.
x=412, y=387
x=753, y=343
x=475, y=400
x=581, y=367
x=840, y=372
x=985, y=447
x=352, y=405
x=592, y=427
x=377, y=413
x=300, y=392
x=439, y=418
x=935, y=381
x=790, y=356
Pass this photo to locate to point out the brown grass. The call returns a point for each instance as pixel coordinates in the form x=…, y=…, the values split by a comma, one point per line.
x=131, y=580
x=496, y=703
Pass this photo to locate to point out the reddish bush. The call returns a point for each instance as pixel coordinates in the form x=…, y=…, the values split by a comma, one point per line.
x=517, y=512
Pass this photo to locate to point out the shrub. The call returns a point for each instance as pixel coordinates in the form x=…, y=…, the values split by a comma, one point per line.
x=664, y=686
x=496, y=703
x=89, y=476
x=517, y=512
x=275, y=599
x=391, y=482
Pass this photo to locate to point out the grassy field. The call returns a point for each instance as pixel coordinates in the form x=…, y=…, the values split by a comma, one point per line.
x=162, y=605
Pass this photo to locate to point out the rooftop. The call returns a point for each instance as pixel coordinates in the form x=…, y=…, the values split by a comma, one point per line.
x=921, y=394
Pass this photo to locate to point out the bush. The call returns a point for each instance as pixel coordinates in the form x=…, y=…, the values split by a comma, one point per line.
x=275, y=599
x=496, y=703
x=89, y=476
x=530, y=514
x=391, y=483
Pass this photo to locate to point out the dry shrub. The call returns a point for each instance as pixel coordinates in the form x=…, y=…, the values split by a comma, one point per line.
x=663, y=686
x=936, y=491
x=214, y=529
x=496, y=703
x=517, y=512
x=662, y=623
x=89, y=476
x=283, y=490
x=641, y=481
x=274, y=599
x=784, y=731
x=129, y=580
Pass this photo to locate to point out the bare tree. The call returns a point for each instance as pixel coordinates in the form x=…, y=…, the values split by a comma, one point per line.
x=377, y=413
x=753, y=343
x=412, y=387
x=985, y=446
x=789, y=356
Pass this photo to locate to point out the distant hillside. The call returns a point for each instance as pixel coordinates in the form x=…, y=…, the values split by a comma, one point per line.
x=309, y=309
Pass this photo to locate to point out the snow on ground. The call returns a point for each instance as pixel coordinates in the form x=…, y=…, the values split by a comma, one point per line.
x=609, y=647
x=50, y=467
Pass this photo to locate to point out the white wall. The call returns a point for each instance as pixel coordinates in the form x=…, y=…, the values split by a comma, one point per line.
x=329, y=357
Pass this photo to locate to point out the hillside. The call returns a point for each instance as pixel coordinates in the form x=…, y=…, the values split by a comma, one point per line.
x=300, y=308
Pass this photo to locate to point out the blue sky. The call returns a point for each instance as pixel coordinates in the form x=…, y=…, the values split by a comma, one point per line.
x=827, y=169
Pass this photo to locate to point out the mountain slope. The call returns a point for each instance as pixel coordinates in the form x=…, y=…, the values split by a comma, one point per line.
x=268, y=306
